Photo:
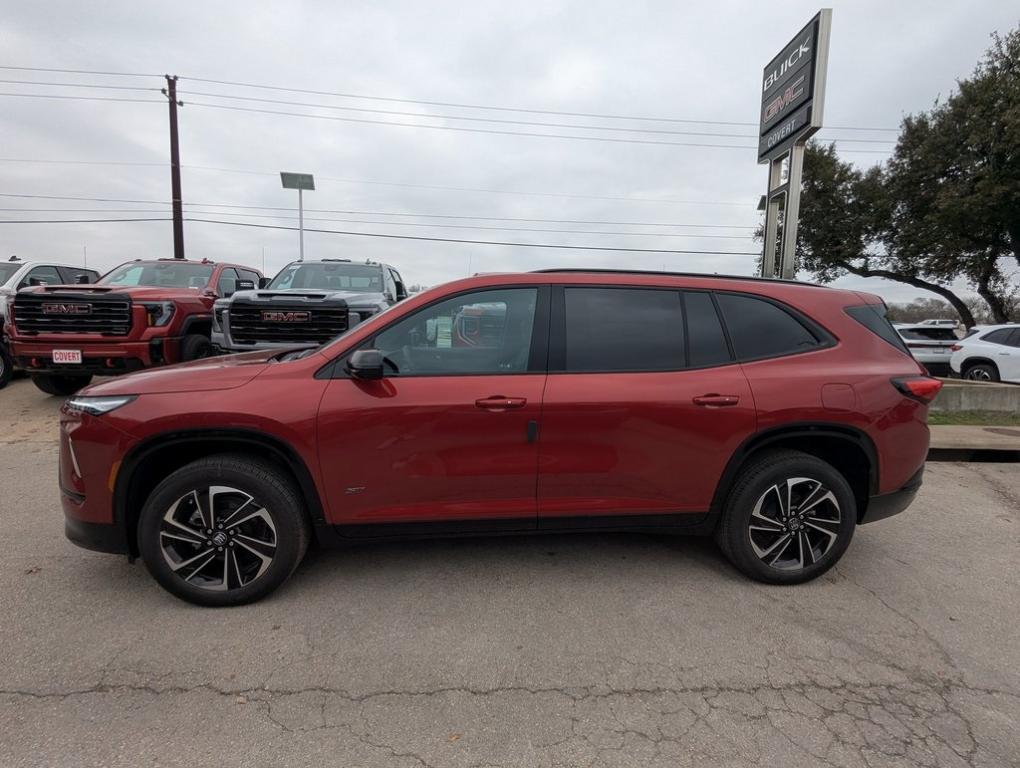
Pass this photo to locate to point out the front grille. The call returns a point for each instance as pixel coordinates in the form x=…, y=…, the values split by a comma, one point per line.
x=285, y=323
x=108, y=314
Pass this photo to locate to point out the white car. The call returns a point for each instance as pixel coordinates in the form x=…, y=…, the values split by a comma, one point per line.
x=992, y=353
x=942, y=323
x=930, y=344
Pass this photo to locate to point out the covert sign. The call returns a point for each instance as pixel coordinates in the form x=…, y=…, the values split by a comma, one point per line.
x=793, y=89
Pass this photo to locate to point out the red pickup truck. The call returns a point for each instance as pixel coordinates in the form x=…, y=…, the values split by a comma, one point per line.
x=139, y=315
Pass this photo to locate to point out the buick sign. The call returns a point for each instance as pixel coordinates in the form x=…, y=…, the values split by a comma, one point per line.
x=66, y=309
x=792, y=90
x=277, y=316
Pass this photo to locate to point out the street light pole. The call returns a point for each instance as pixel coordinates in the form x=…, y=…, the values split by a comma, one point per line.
x=300, y=182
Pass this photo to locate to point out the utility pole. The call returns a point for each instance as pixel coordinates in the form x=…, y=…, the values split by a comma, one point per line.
x=175, y=166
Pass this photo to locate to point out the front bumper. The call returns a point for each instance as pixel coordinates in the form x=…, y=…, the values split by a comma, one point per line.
x=888, y=504
x=98, y=358
x=98, y=537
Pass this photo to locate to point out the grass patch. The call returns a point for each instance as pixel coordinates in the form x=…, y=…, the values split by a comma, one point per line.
x=976, y=418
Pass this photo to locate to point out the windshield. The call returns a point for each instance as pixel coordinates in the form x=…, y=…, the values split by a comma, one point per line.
x=363, y=278
x=7, y=272
x=160, y=274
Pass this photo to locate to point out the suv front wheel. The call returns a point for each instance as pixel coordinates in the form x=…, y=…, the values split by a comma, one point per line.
x=788, y=519
x=224, y=530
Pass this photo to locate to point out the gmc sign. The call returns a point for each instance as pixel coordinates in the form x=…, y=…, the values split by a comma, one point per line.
x=66, y=309
x=792, y=90
x=278, y=316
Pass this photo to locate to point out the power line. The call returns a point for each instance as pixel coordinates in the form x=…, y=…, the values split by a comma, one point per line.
x=462, y=129
x=80, y=98
x=461, y=105
x=498, y=120
x=73, y=221
x=476, y=242
x=82, y=72
x=80, y=85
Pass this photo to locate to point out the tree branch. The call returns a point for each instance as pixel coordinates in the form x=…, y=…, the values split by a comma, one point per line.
x=957, y=303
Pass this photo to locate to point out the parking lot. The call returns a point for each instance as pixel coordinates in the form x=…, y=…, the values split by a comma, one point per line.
x=597, y=650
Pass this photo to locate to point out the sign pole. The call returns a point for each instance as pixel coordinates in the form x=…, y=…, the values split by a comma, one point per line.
x=300, y=182
x=791, y=216
x=301, y=223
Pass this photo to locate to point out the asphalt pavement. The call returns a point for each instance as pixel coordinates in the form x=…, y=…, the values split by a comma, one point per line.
x=596, y=650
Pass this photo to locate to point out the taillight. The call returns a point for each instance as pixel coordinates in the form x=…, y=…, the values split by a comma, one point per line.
x=920, y=388
x=956, y=347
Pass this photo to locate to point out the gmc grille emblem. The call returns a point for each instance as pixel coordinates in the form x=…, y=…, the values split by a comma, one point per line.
x=286, y=317
x=67, y=309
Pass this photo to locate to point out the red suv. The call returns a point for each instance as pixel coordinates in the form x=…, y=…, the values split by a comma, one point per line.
x=774, y=415
x=139, y=315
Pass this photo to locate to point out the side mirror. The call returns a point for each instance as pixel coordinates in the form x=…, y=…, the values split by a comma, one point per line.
x=244, y=285
x=401, y=292
x=34, y=281
x=82, y=279
x=366, y=364
x=264, y=282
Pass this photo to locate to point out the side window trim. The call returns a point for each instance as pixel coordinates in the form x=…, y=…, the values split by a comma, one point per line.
x=538, y=355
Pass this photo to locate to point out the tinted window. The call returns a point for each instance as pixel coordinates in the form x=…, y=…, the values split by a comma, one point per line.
x=623, y=329
x=340, y=276
x=929, y=333
x=7, y=272
x=70, y=274
x=1014, y=340
x=486, y=332
x=45, y=276
x=761, y=329
x=247, y=274
x=1001, y=336
x=872, y=317
x=706, y=341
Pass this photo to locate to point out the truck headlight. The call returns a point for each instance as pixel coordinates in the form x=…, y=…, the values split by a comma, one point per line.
x=98, y=405
x=159, y=313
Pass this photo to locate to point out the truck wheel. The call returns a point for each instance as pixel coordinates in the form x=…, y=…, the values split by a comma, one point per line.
x=53, y=384
x=788, y=519
x=195, y=346
x=6, y=366
x=224, y=530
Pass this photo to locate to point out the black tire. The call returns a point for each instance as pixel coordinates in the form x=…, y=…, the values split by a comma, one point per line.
x=195, y=346
x=270, y=491
x=981, y=372
x=6, y=366
x=745, y=531
x=53, y=384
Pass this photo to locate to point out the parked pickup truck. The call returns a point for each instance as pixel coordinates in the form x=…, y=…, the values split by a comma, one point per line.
x=141, y=314
x=16, y=274
x=308, y=302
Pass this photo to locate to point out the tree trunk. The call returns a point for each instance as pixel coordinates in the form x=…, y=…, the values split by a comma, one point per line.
x=984, y=289
x=957, y=303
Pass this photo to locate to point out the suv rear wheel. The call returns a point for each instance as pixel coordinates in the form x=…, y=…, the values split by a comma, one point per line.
x=981, y=372
x=224, y=530
x=53, y=384
x=788, y=519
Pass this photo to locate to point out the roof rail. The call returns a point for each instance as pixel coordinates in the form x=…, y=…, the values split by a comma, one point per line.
x=712, y=275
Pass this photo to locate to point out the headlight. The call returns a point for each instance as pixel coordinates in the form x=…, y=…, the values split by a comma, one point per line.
x=159, y=312
x=98, y=405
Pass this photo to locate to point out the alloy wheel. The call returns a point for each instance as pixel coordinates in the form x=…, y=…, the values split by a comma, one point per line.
x=979, y=374
x=794, y=523
x=217, y=538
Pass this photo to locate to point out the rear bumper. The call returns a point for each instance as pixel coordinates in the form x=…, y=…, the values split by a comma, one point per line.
x=889, y=504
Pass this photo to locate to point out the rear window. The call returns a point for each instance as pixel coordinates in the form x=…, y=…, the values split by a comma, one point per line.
x=930, y=333
x=872, y=317
x=759, y=328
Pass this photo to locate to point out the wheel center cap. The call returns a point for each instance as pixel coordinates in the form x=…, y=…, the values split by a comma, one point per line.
x=220, y=538
x=794, y=524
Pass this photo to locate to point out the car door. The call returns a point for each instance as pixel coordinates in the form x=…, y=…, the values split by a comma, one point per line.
x=643, y=407
x=1009, y=358
x=448, y=436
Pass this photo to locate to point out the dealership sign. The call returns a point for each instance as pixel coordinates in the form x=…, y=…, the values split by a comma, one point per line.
x=793, y=90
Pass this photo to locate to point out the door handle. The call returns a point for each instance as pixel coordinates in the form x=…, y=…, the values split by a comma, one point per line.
x=713, y=400
x=500, y=402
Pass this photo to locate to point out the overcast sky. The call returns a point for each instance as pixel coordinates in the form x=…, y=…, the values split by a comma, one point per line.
x=697, y=62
